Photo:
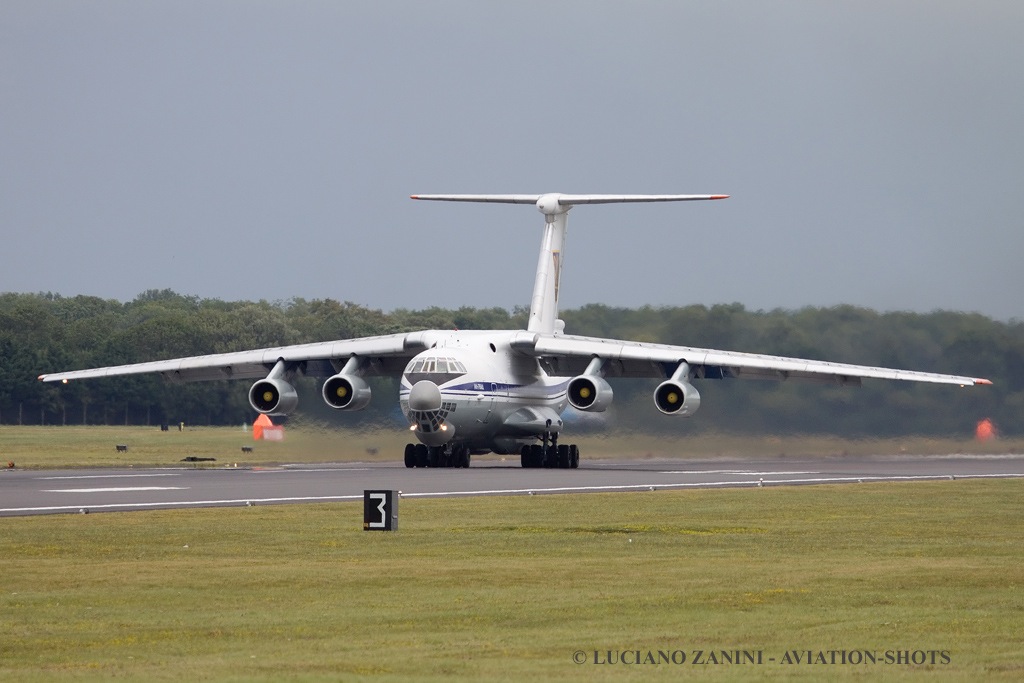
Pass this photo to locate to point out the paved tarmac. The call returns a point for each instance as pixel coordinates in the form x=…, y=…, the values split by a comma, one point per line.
x=33, y=492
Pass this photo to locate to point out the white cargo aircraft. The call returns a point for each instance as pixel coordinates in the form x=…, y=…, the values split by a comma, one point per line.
x=473, y=392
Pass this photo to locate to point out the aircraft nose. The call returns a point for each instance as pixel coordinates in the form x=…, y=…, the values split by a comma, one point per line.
x=425, y=395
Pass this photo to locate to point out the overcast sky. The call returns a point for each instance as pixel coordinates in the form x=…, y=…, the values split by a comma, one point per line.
x=873, y=151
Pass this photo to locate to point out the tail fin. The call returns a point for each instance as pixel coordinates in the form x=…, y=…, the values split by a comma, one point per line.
x=544, y=304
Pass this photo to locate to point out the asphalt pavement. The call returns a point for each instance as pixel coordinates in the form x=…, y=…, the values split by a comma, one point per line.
x=33, y=492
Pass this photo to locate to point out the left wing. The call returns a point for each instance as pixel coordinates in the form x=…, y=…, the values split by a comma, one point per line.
x=571, y=355
x=386, y=354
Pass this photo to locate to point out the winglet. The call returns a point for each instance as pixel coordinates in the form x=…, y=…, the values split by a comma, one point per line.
x=983, y=381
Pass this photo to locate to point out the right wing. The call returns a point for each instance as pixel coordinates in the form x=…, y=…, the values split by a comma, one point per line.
x=570, y=355
x=388, y=355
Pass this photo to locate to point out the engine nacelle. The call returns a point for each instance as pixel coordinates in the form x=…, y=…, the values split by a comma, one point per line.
x=273, y=396
x=590, y=393
x=346, y=392
x=677, y=397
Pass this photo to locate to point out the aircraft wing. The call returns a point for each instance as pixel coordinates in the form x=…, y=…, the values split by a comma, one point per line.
x=386, y=354
x=571, y=355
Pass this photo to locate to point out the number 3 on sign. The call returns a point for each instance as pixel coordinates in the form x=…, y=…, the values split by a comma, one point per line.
x=380, y=510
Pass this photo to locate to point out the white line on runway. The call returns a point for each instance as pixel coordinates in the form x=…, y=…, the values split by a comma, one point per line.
x=746, y=472
x=122, y=489
x=708, y=484
x=182, y=503
x=108, y=476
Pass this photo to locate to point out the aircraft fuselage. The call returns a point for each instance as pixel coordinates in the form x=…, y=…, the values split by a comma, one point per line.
x=489, y=397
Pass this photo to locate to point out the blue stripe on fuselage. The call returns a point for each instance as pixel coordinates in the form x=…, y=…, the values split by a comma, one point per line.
x=501, y=389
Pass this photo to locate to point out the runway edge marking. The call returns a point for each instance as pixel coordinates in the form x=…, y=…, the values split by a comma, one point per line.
x=441, y=494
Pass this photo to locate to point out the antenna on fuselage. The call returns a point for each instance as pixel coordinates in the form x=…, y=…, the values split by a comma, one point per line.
x=555, y=206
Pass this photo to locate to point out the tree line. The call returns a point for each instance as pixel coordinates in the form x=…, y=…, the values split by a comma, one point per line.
x=48, y=332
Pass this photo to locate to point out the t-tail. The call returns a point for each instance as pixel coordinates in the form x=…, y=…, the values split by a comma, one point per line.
x=555, y=207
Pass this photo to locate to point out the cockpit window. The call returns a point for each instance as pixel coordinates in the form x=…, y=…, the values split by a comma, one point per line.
x=442, y=366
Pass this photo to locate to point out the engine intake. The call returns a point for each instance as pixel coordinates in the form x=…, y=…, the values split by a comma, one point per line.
x=346, y=392
x=590, y=393
x=273, y=396
x=677, y=397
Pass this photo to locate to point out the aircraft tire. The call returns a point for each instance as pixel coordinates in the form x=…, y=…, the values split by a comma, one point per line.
x=533, y=456
x=574, y=456
x=421, y=455
x=410, y=455
x=563, y=457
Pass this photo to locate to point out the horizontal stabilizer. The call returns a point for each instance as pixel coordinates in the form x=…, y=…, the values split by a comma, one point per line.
x=567, y=199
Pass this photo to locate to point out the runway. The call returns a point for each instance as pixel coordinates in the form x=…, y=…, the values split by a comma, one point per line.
x=35, y=492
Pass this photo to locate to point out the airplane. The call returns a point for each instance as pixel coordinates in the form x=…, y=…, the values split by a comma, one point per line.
x=472, y=392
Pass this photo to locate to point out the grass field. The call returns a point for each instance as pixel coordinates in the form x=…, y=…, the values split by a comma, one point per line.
x=38, y=447
x=514, y=588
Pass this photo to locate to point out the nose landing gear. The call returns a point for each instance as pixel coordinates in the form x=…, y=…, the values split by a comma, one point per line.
x=449, y=455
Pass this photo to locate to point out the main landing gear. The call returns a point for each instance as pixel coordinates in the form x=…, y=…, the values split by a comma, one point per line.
x=418, y=455
x=549, y=454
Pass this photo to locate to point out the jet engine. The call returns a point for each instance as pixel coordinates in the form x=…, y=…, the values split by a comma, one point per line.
x=346, y=392
x=677, y=397
x=590, y=393
x=273, y=396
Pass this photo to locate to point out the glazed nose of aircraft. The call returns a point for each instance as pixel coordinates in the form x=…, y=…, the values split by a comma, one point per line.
x=425, y=395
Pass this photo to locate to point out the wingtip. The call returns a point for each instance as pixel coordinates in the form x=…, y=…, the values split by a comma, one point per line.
x=719, y=196
x=986, y=382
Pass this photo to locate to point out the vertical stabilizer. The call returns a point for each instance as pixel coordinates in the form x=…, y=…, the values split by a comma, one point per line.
x=544, y=303
x=546, y=286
